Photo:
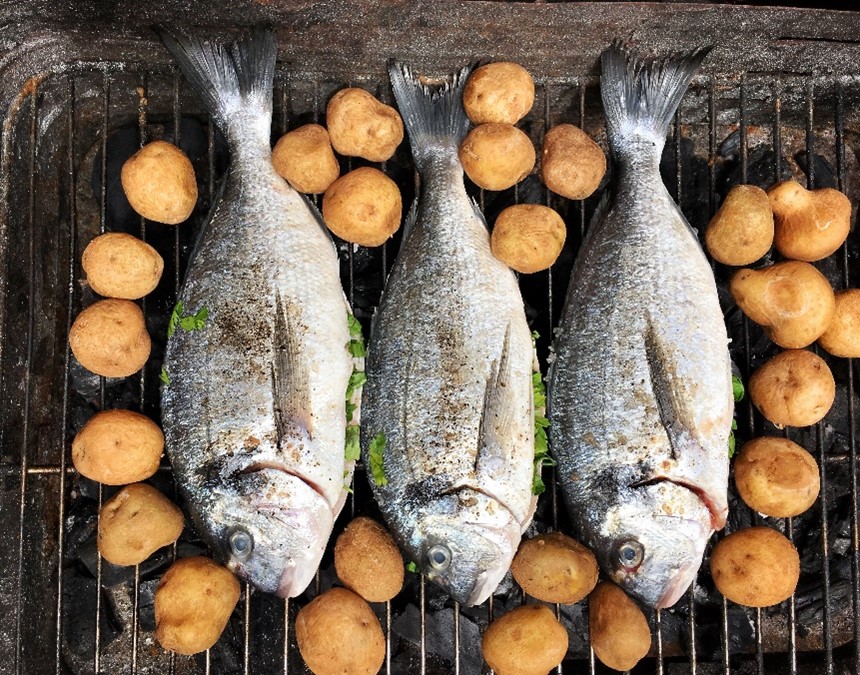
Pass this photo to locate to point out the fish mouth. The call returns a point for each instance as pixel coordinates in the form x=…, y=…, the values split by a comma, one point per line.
x=718, y=514
x=266, y=465
x=679, y=584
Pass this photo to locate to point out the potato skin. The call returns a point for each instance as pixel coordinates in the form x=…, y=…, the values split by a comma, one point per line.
x=741, y=231
x=618, y=629
x=367, y=560
x=500, y=92
x=528, y=237
x=118, y=265
x=528, y=640
x=159, y=182
x=338, y=634
x=362, y=126
x=363, y=207
x=555, y=568
x=572, y=164
x=117, y=447
x=497, y=156
x=109, y=338
x=809, y=224
x=776, y=477
x=795, y=388
x=304, y=158
x=193, y=603
x=755, y=567
x=842, y=337
x=134, y=523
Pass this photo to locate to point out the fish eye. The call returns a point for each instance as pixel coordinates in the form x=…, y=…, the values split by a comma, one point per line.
x=241, y=544
x=439, y=557
x=630, y=554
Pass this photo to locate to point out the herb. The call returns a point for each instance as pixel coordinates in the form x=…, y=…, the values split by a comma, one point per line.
x=541, y=423
x=164, y=376
x=412, y=567
x=738, y=393
x=188, y=323
x=175, y=317
x=353, y=447
x=535, y=338
x=355, y=346
x=539, y=390
x=732, y=438
x=357, y=379
x=374, y=451
x=350, y=410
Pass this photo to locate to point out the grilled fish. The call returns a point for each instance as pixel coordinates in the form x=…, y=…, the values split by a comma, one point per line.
x=640, y=394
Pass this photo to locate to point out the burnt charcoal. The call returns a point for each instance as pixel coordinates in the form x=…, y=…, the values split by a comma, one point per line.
x=825, y=176
x=79, y=601
x=146, y=605
x=809, y=597
x=709, y=631
x=226, y=656
x=575, y=619
x=439, y=636
x=761, y=165
x=81, y=523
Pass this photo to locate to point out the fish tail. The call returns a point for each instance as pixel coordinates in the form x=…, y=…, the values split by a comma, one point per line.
x=434, y=118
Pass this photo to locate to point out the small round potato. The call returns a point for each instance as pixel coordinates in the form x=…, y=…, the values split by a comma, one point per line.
x=109, y=338
x=809, y=224
x=555, y=568
x=118, y=265
x=776, y=477
x=791, y=300
x=136, y=522
x=572, y=165
x=755, y=567
x=368, y=561
x=842, y=337
x=193, y=603
x=741, y=232
x=116, y=447
x=362, y=126
x=617, y=628
x=363, y=207
x=501, y=92
x=304, y=158
x=159, y=182
x=338, y=633
x=528, y=640
x=528, y=237
x=795, y=388
x=497, y=156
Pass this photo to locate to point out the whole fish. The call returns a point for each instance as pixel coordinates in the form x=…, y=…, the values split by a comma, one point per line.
x=254, y=412
x=640, y=392
x=447, y=425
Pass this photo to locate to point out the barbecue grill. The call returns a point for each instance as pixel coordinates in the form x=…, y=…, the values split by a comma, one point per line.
x=83, y=85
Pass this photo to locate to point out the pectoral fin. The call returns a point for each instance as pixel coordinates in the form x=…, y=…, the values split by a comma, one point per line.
x=289, y=378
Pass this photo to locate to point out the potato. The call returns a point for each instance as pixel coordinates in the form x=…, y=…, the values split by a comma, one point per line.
x=497, y=156
x=809, y=224
x=338, y=633
x=362, y=126
x=501, y=92
x=136, y=522
x=776, y=477
x=193, y=602
x=755, y=567
x=116, y=447
x=555, y=568
x=304, y=158
x=363, y=207
x=528, y=640
x=159, y=182
x=118, y=265
x=741, y=231
x=368, y=561
x=792, y=301
x=528, y=237
x=842, y=337
x=572, y=165
x=618, y=630
x=795, y=388
x=109, y=338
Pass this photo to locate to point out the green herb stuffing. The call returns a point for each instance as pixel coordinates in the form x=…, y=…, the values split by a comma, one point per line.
x=353, y=447
x=188, y=323
x=374, y=451
x=355, y=346
x=541, y=423
x=738, y=393
x=535, y=338
x=164, y=376
x=357, y=379
x=412, y=567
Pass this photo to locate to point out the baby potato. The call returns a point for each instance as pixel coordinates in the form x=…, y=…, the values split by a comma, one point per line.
x=501, y=92
x=118, y=265
x=528, y=237
x=809, y=224
x=555, y=568
x=109, y=338
x=193, y=602
x=362, y=126
x=776, y=477
x=338, y=633
x=497, y=156
x=136, y=522
x=755, y=567
x=528, y=640
x=363, y=207
x=741, y=232
x=795, y=388
x=791, y=300
x=617, y=628
x=572, y=165
x=116, y=447
x=159, y=182
x=842, y=337
x=368, y=561
x=304, y=158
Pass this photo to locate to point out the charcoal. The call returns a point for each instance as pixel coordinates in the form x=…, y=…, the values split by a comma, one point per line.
x=79, y=600
x=825, y=176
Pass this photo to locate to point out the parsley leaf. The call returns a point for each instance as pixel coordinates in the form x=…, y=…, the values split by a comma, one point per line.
x=377, y=467
x=355, y=346
x=357, y=379
x=350, y=410
x=541, y=444
x=412, y=567
x=164, y=376
x=731, y=444
x=737, y=388
x=175, y=317
x=188, y=323
x=353, y=447
x=535, y=338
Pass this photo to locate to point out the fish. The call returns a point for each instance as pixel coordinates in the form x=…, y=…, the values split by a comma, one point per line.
x=254, y=404
x=447, y=409
x=640, y=389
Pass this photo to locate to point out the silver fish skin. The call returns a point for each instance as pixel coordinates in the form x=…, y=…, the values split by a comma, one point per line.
x=449, y=371
x=254, y=412
x=640, y=394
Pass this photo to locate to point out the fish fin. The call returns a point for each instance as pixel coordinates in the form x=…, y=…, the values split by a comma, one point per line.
x=289, y=378
x=498, y=411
